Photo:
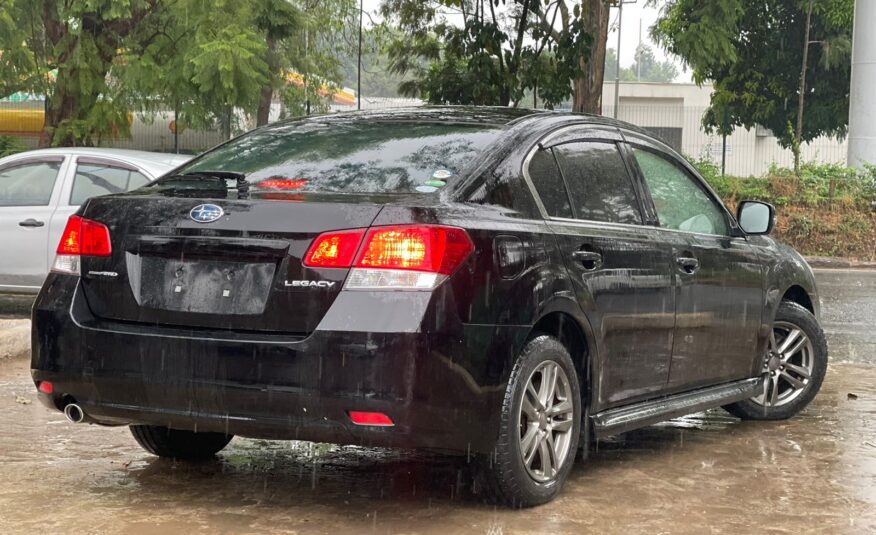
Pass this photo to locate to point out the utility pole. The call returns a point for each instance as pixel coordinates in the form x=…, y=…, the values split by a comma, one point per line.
x=862, y=106
x=798, y=133
x=620, y=18
x=359, y=61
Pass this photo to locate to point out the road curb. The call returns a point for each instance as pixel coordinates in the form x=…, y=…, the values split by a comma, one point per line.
x=835, y=262
x=14, y=338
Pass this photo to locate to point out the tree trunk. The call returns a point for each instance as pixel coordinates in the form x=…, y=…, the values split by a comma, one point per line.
x=263, y=114
x=587, y=95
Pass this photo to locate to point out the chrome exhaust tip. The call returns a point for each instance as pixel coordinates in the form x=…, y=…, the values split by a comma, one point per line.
x=74, y=413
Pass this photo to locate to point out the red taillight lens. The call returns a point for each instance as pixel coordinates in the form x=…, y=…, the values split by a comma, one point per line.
x=433, y=249
x=334, y=249
x=370, y=418
x=281, y=183
x=45, y=387
x=85, y=237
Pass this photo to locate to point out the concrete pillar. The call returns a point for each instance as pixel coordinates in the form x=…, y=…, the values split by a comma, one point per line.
x=862, y=100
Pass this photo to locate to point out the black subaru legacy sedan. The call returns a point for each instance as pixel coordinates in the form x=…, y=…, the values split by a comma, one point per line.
x=504, y=283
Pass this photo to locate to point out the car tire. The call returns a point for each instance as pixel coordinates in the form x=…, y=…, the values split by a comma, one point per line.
x=178, y=444
x=811, y=358
x=510, y=480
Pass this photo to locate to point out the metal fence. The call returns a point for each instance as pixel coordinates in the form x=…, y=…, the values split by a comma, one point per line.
x=746, y=153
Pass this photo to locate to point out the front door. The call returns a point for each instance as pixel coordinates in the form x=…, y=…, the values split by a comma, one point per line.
x=28, y=195
x=622, y=276
x=720, y=280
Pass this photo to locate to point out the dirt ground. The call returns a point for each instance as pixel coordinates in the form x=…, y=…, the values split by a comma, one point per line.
x=706, y=473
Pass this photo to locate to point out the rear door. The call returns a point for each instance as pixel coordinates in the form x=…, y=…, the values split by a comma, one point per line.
x=29, y=192
x=720, y=290
x=622, y=277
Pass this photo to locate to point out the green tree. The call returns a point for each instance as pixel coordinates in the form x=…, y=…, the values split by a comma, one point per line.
x=206, y=58
x=752, y=51
x=97, y=61
x=66, y=50
x=502, y=49
x=646, y=68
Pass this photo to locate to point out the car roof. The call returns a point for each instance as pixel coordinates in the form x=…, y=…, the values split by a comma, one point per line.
x=500, y=116
x=156, y=163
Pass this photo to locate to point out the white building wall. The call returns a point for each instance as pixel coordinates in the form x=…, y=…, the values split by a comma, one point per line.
x=670, y=106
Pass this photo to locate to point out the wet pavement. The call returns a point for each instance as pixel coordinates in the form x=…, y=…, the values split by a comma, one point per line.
x=709, y=472
x=848, y=313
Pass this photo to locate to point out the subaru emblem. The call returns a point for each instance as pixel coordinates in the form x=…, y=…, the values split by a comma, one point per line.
x=206, y=213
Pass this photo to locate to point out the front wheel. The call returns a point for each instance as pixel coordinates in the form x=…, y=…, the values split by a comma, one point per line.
x=793, y=367
x=178, y=444
x=540, y=425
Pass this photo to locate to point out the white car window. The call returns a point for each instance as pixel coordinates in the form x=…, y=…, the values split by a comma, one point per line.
x=29, y=184
x=94, y=179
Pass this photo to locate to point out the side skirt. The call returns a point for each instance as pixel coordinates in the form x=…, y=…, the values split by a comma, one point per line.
x=623, y=419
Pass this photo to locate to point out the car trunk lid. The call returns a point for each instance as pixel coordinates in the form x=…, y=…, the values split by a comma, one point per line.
x=243, y=272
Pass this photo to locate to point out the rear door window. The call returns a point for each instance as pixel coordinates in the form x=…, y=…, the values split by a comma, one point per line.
x=548, y=182
x=28, y=184
x=94, y=179
x=349, y=157
x=599, y=185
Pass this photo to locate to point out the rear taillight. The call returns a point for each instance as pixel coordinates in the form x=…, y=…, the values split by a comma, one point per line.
x=409, y=257
x=81, y=237
x=334, y=249
x=400, y=257
x=418, y=248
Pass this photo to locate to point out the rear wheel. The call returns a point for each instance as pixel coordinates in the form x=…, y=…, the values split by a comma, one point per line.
x=793, y=367
x=177, y=444
x=540, y=425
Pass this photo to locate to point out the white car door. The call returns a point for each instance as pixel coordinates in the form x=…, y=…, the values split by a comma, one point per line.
x=30, y=188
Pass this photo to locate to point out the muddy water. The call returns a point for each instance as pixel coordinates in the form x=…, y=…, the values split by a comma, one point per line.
x=706, y=473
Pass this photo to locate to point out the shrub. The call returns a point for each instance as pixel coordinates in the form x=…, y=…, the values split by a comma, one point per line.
x=10, y=145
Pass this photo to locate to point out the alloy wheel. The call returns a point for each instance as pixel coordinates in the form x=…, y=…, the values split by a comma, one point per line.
x=788, y=365
x=546, y=421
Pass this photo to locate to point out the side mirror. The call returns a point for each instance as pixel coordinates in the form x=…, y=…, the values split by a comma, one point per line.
x=756, y=217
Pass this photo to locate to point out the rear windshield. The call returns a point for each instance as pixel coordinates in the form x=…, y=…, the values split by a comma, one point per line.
x=351, y=158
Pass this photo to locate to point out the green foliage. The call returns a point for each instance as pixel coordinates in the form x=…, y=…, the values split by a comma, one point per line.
x=732, y=188
x=98, y=61
x=752, y=50
x=818, y=185
x=646, y=68
x=10, y=145
x=503, y=49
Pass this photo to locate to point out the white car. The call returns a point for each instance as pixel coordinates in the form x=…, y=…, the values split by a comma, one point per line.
x=40, y=189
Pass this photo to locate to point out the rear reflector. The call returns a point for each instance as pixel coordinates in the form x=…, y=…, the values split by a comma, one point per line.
x=334, y=249
x=81, y=237
x=45, y=387
x=370, y=418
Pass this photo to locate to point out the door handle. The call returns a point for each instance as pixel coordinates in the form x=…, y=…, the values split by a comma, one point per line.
x=30, y=222
x=591, y=260
x=688, y=264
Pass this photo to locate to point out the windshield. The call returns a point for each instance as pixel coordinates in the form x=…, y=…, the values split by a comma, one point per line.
x=350, y=158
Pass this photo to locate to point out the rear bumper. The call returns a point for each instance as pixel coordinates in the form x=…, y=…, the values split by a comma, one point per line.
x=437, y=385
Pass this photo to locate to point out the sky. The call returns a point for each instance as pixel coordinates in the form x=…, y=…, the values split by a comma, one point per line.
x=635, y=15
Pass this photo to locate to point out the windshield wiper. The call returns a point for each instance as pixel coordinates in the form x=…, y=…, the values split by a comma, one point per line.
x=241, y=184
